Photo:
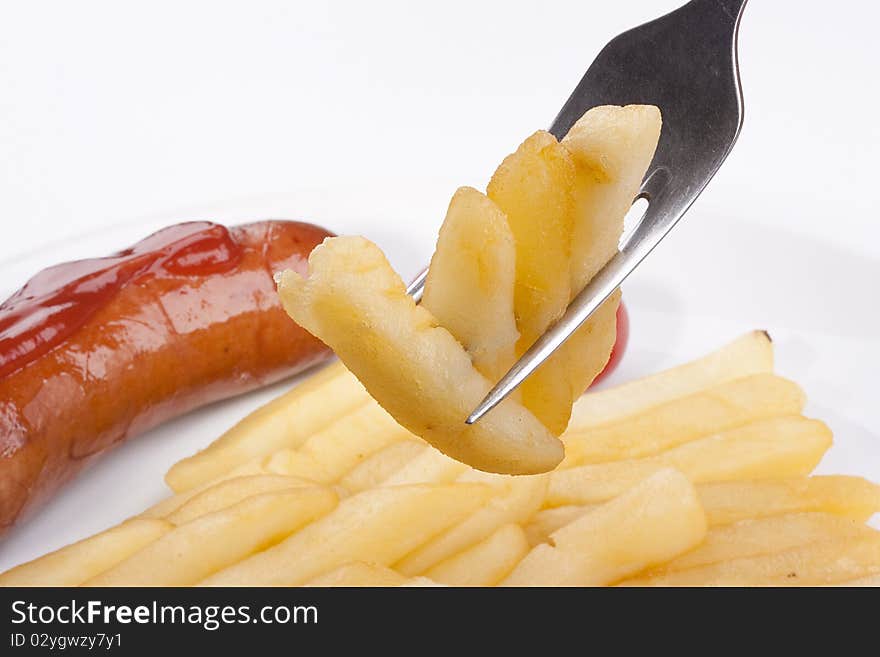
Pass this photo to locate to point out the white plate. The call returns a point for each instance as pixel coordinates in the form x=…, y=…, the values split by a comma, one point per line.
x=715, y=278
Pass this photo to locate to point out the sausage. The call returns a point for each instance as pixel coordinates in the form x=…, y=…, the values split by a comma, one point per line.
x=95, y=351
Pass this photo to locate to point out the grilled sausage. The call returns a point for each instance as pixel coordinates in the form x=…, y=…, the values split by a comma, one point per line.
x=95, y=351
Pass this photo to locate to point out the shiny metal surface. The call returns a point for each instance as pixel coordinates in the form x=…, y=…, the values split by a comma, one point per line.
x=417, y=288
x=685, y=63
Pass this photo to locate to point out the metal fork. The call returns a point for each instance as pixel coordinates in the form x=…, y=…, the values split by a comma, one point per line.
x=686, y=64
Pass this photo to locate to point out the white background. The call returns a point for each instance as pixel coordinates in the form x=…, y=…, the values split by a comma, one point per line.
x=118, y=117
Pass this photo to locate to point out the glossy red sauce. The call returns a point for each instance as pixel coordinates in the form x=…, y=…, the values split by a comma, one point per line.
x=620, y=343
x=59, y=300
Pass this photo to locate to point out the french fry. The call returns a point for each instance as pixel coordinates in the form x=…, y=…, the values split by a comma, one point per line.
x=284, y=422
x=816, y=564
x=546, y=521
x=750, y=354
x=534, y=188
x=170, y=504
x=757, y=536
x=871, y=580
x=381, y=465
x=727, y=502
x=196, y=549
x=469, y=287
x=486, y=563
x=852, y=498
x=378, y=526
x=431, y=466
x=774, y=448
x=658, y=428
x=231, y=491
x=332, y=452
x=649, y=524
x=77, y=562
x=514, y=501
x=323, y=458
x=359, y=573
x=611, y=147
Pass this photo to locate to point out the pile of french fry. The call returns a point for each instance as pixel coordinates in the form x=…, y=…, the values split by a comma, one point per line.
x=698, y=475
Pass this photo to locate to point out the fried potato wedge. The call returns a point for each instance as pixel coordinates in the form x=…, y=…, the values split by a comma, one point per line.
x=284, y=422
x=75, y=563
x=658, y=428
x=470, y=283
x=749, y=354
x=196, y=549
x=534, y=188
x=515, y=500
x=379, y=526
x=727, y=502
x=774, y=448
x=649, y=524
x=611, y=147
x=486, y=563
x=354, y=301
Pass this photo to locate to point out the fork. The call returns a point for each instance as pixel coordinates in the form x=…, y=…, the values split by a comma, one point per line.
x=685, y=63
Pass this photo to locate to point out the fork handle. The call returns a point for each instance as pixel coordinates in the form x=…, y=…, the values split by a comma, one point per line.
x=729, y=7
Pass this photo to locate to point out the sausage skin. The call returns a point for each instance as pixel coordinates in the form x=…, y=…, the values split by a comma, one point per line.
x=190, y=329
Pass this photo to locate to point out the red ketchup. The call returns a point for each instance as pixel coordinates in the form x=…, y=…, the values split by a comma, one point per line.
x=59, y=300
x=619, y=343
